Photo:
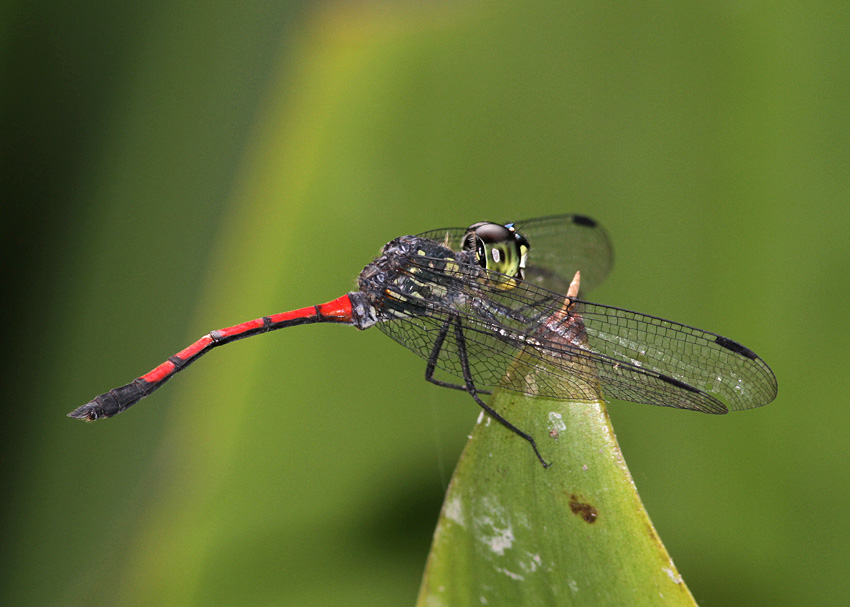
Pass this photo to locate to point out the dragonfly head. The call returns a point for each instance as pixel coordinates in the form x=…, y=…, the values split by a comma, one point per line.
x=498, y=248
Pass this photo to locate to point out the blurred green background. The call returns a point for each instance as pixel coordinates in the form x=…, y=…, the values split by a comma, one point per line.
x=173, y=168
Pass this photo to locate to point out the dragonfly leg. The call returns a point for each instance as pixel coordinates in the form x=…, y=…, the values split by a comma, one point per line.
x=432, y=362
x=470, y=388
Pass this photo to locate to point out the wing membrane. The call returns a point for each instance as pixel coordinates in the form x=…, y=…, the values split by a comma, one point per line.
x=560, y=246
x=526, y=340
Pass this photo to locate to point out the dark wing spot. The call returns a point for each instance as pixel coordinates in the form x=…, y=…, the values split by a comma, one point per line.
x=677, y=383
x=734, y=346
x=584, y=220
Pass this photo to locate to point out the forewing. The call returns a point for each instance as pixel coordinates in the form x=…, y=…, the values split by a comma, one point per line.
x=561, y=245
x=525, y=339
x=704, y=362
x=451, y=238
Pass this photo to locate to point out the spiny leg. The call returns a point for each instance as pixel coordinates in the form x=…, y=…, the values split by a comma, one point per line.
x=470, y=388
x=432, y=362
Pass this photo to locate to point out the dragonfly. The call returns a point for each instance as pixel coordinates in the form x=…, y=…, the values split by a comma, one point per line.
x=496, y=306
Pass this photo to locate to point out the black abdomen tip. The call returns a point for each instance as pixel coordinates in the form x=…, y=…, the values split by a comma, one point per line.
x=112, y=402
x=88, y=412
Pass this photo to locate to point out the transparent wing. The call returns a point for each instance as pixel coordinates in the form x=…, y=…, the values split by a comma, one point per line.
x=560, y=246
x=563, y=245
x=528, y=340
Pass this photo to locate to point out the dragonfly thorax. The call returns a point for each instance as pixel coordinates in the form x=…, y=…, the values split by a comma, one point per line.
x=406, y=278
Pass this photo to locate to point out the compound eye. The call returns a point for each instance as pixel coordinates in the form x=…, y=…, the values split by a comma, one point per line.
x=497, y=248
x=500, y=257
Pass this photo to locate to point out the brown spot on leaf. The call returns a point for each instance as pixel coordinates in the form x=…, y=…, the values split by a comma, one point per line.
x=586, y=511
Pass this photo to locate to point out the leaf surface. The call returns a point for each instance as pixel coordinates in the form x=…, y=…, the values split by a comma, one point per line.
x=514, y=533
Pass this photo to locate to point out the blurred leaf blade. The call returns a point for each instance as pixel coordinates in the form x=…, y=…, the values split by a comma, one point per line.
x=514, y=533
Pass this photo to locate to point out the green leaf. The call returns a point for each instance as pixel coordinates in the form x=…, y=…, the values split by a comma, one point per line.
x=514, y=533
